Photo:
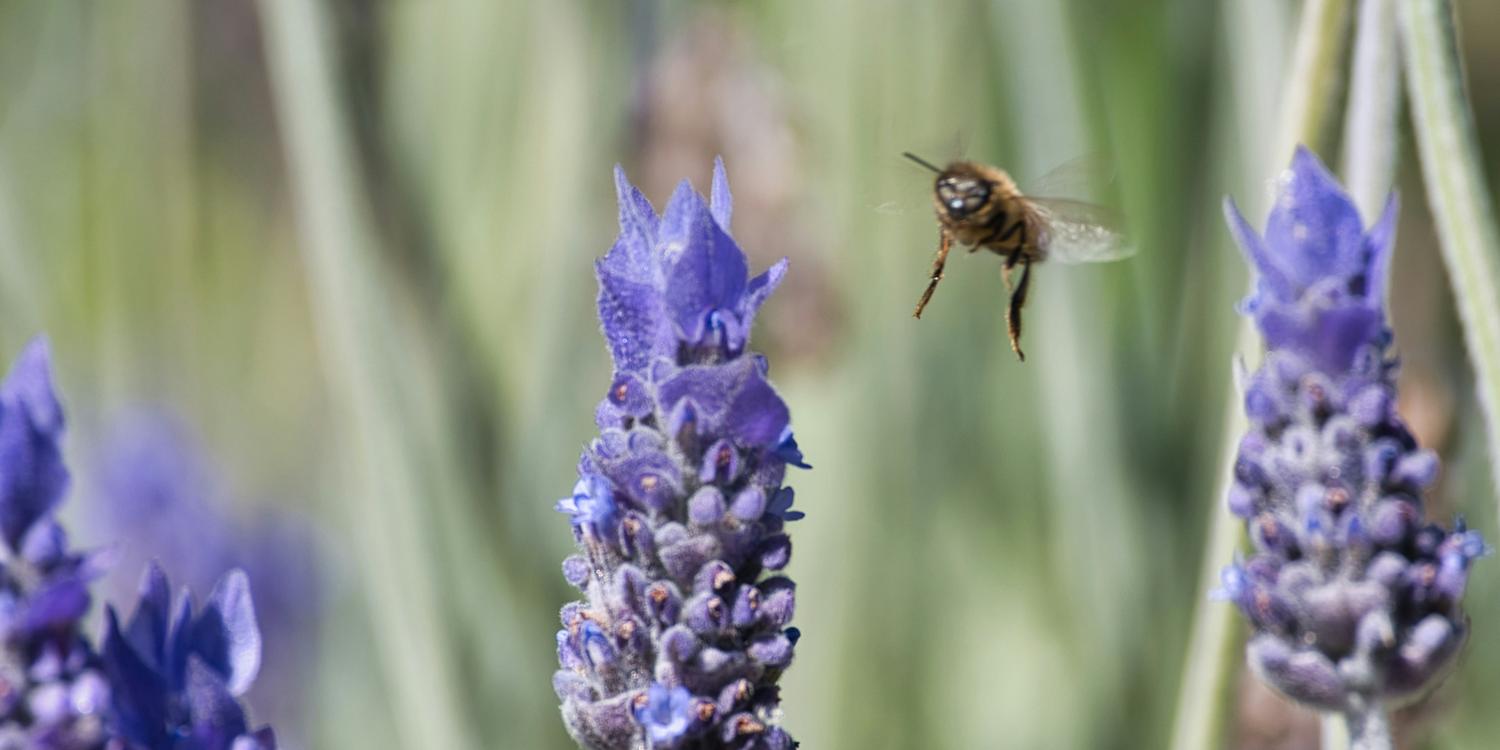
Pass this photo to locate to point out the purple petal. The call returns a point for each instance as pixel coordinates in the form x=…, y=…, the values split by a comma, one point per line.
x=29, y=385
x=216, y=715
x=1270, y=278
x=720, y=202
x=45, y=543
x=1378, y=245
x=707, y=271
x=59, y=604
x=226, y=635
x=1314, y=229
x=710, y=388
x=633, y=315
x=139, y=693
x=147, y=628
x=1331, y=337
x=179, y=643
x=758, y=417
x=31, y=425
x=633, y=257
x=760, y=290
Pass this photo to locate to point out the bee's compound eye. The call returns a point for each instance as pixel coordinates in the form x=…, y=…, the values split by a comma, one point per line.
x=962, y=196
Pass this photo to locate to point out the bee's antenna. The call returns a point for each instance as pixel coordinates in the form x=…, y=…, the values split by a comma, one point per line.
x=921, y=161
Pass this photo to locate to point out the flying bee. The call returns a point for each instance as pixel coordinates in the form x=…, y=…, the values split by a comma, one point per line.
x=980, y=206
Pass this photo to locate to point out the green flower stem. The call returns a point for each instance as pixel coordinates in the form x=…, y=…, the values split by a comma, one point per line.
x=1213, y=654
x=1334, y=734
x=1456, y=190
x=1374, y=102
x=1369, y=729
x=1213, y=648
x=370, y=384
x=1314, y=79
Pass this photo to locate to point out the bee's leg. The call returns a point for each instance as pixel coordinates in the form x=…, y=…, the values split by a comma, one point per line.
x=945, y=243
x=1016, y=252
x=1010, y=264
x=1013, y=313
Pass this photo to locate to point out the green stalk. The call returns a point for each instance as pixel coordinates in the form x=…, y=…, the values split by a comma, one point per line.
x=1315, y=77
x=1369, y=729
x=1212, y=653
x=1334, y=734
x=1204, y=691
x=369, y=378
x=1461, y=203
x=1374, y=102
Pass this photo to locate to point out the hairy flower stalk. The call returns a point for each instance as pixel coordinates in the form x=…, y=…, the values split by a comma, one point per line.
x=1354, y=600
x=167, y=681
x=679, y=510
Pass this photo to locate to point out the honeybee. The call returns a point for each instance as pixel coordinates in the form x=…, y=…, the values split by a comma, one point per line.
x=980, y=206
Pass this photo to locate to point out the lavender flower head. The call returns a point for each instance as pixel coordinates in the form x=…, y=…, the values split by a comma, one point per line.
x=166, y=682
x=53, y=695
x=1353, y=598
x=160, y=496
x=679, y=510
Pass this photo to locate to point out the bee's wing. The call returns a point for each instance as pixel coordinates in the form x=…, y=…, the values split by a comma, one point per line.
x=1078, y=232
x=1083, y=178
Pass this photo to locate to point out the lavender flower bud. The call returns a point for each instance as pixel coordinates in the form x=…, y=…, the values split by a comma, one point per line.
x=679, y=511
x=1352, y=599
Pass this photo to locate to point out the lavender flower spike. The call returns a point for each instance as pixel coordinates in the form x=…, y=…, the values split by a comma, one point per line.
x=1353, y=598
x=53, y=696
x=679, y=511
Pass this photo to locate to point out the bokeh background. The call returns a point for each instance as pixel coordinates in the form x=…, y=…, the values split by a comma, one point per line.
x=318, y=282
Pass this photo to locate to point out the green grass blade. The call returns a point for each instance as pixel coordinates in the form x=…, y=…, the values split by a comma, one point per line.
x=1374, y=101
x=1461, y=203
x=366, y=371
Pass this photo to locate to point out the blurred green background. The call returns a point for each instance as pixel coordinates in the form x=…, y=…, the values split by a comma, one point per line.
x=350, y=244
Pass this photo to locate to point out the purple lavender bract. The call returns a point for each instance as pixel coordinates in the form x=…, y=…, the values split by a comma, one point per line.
x=178, y=673
x=679, y=509
x=1354, y=600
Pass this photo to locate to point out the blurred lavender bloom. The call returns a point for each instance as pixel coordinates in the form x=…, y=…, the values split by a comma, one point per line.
x=167, y=682
x=1354, y=599
x=52, y=693
x=178, y=673
x=160, y=498
x=679, y=510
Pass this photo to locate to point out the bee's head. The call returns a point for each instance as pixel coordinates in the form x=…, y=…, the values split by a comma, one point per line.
x=960, y=192
x=962, y=188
